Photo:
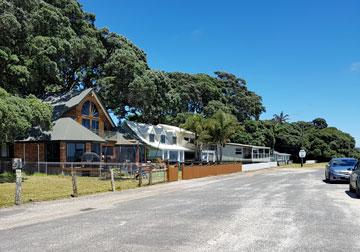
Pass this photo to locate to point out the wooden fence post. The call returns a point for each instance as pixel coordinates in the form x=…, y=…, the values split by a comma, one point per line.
x=112, y=180
x=18, y=187
x=140, y=177
x=150, y=176
x=74, y=181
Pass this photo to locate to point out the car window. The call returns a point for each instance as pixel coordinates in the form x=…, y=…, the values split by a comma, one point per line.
x=356, y=167
x=343, y=163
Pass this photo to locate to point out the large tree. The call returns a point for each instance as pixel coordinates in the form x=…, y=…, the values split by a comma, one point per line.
x=53, y=45
x=19, y=115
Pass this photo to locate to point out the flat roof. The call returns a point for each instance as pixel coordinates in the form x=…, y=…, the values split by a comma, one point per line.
x=247, y=145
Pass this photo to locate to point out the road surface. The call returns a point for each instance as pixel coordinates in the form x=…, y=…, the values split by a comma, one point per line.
x=273, y=210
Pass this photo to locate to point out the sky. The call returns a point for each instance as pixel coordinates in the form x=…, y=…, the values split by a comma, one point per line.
x=301, y=56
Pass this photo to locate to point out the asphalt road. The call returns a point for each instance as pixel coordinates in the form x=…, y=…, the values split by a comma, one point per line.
x=274, y=210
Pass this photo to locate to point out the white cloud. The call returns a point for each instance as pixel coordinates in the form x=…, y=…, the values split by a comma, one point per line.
x=355, y=67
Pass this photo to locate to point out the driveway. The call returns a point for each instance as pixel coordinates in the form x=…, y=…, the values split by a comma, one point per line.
x=273, y=210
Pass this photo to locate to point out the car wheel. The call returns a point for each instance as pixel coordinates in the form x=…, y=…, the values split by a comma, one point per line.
x=357, y=191
x=351, y=189
x=329, y=179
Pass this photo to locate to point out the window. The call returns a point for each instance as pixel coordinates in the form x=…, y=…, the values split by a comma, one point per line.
x=74, y=151
x=152, y=138
x=86, y=109
x=53, y=152
x=94, y=111
x=238, y=151
x=173, y=156
x=90, y=115
x=86, y=123
x=108, y=150
x=95, y=147
x=162, y=139
x=4, y=150
x=95, y=125
x=174, y=140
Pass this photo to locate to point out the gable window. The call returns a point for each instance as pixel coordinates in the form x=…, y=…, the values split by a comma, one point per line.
x=95, y=125
x=86, y=109
x=162, y=139
x=86, y=123
x=152, y=138
x=174, y=140
x=90, y=116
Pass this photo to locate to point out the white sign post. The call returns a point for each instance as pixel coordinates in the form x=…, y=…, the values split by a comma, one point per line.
x=302, y=155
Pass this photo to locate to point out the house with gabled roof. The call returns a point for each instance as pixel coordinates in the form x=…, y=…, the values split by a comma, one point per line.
x=81, y=124
x=164, y=141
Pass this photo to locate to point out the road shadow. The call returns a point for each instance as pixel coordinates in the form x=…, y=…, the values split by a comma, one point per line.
x=335, y=182
x=351, y=195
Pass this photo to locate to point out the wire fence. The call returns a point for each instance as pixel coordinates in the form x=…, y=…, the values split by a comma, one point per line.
x=52, y=180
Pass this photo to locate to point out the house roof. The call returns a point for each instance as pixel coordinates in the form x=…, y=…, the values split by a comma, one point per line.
x=64, y=102
x=122, y=139
x=247, y=145
x=175, y=129
x=139, y=129
x=65, y=129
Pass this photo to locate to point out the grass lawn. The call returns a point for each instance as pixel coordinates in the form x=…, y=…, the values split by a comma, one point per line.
x=40, y=187
x=317, y=165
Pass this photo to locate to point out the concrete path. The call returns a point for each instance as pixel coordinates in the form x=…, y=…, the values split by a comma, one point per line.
x=273, y=210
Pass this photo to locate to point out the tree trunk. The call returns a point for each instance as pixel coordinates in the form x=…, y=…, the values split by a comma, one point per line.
x=217, y=153
x=221, y=152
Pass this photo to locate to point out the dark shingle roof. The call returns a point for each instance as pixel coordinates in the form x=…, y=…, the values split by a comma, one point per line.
x=65, y=129
x=62, y=103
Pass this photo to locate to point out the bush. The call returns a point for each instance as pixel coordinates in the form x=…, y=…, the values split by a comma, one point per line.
x=7, y=177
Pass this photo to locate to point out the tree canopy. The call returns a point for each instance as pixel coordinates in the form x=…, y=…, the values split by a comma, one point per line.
x=322, y=143
x=18, y=116
x=52, y=46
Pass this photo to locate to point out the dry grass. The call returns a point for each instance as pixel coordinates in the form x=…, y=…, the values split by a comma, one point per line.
x=317, y=165
x=49, y=187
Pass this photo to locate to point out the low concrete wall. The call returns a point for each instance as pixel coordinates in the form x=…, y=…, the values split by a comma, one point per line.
x=258, y=166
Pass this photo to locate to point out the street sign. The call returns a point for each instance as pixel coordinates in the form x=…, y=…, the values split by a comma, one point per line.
x=302, y=153
x=16, y=163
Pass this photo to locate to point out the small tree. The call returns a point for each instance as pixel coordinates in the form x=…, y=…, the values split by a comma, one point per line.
x=221, y=127
x=197, y=124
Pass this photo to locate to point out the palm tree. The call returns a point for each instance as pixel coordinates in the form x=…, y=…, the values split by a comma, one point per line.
x=281, y=118
x=221, y=126
x=197, y=124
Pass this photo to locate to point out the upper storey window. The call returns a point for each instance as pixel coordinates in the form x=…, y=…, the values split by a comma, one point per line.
x=90, y=115
x=89, y=109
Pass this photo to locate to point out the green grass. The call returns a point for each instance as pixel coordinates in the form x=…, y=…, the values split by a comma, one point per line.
x=50, y=187
x=317, y=165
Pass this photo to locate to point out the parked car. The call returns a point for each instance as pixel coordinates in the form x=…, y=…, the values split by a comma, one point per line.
x=340, y=169
x=354, y=183
x=90, y=157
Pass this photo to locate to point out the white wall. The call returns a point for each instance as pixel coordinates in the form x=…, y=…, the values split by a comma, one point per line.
x=258, y=166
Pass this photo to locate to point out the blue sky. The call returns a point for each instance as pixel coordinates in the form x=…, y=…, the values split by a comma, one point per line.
x=302, y=57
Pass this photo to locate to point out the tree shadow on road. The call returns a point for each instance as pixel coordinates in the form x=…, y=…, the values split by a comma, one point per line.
x=351, y=195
